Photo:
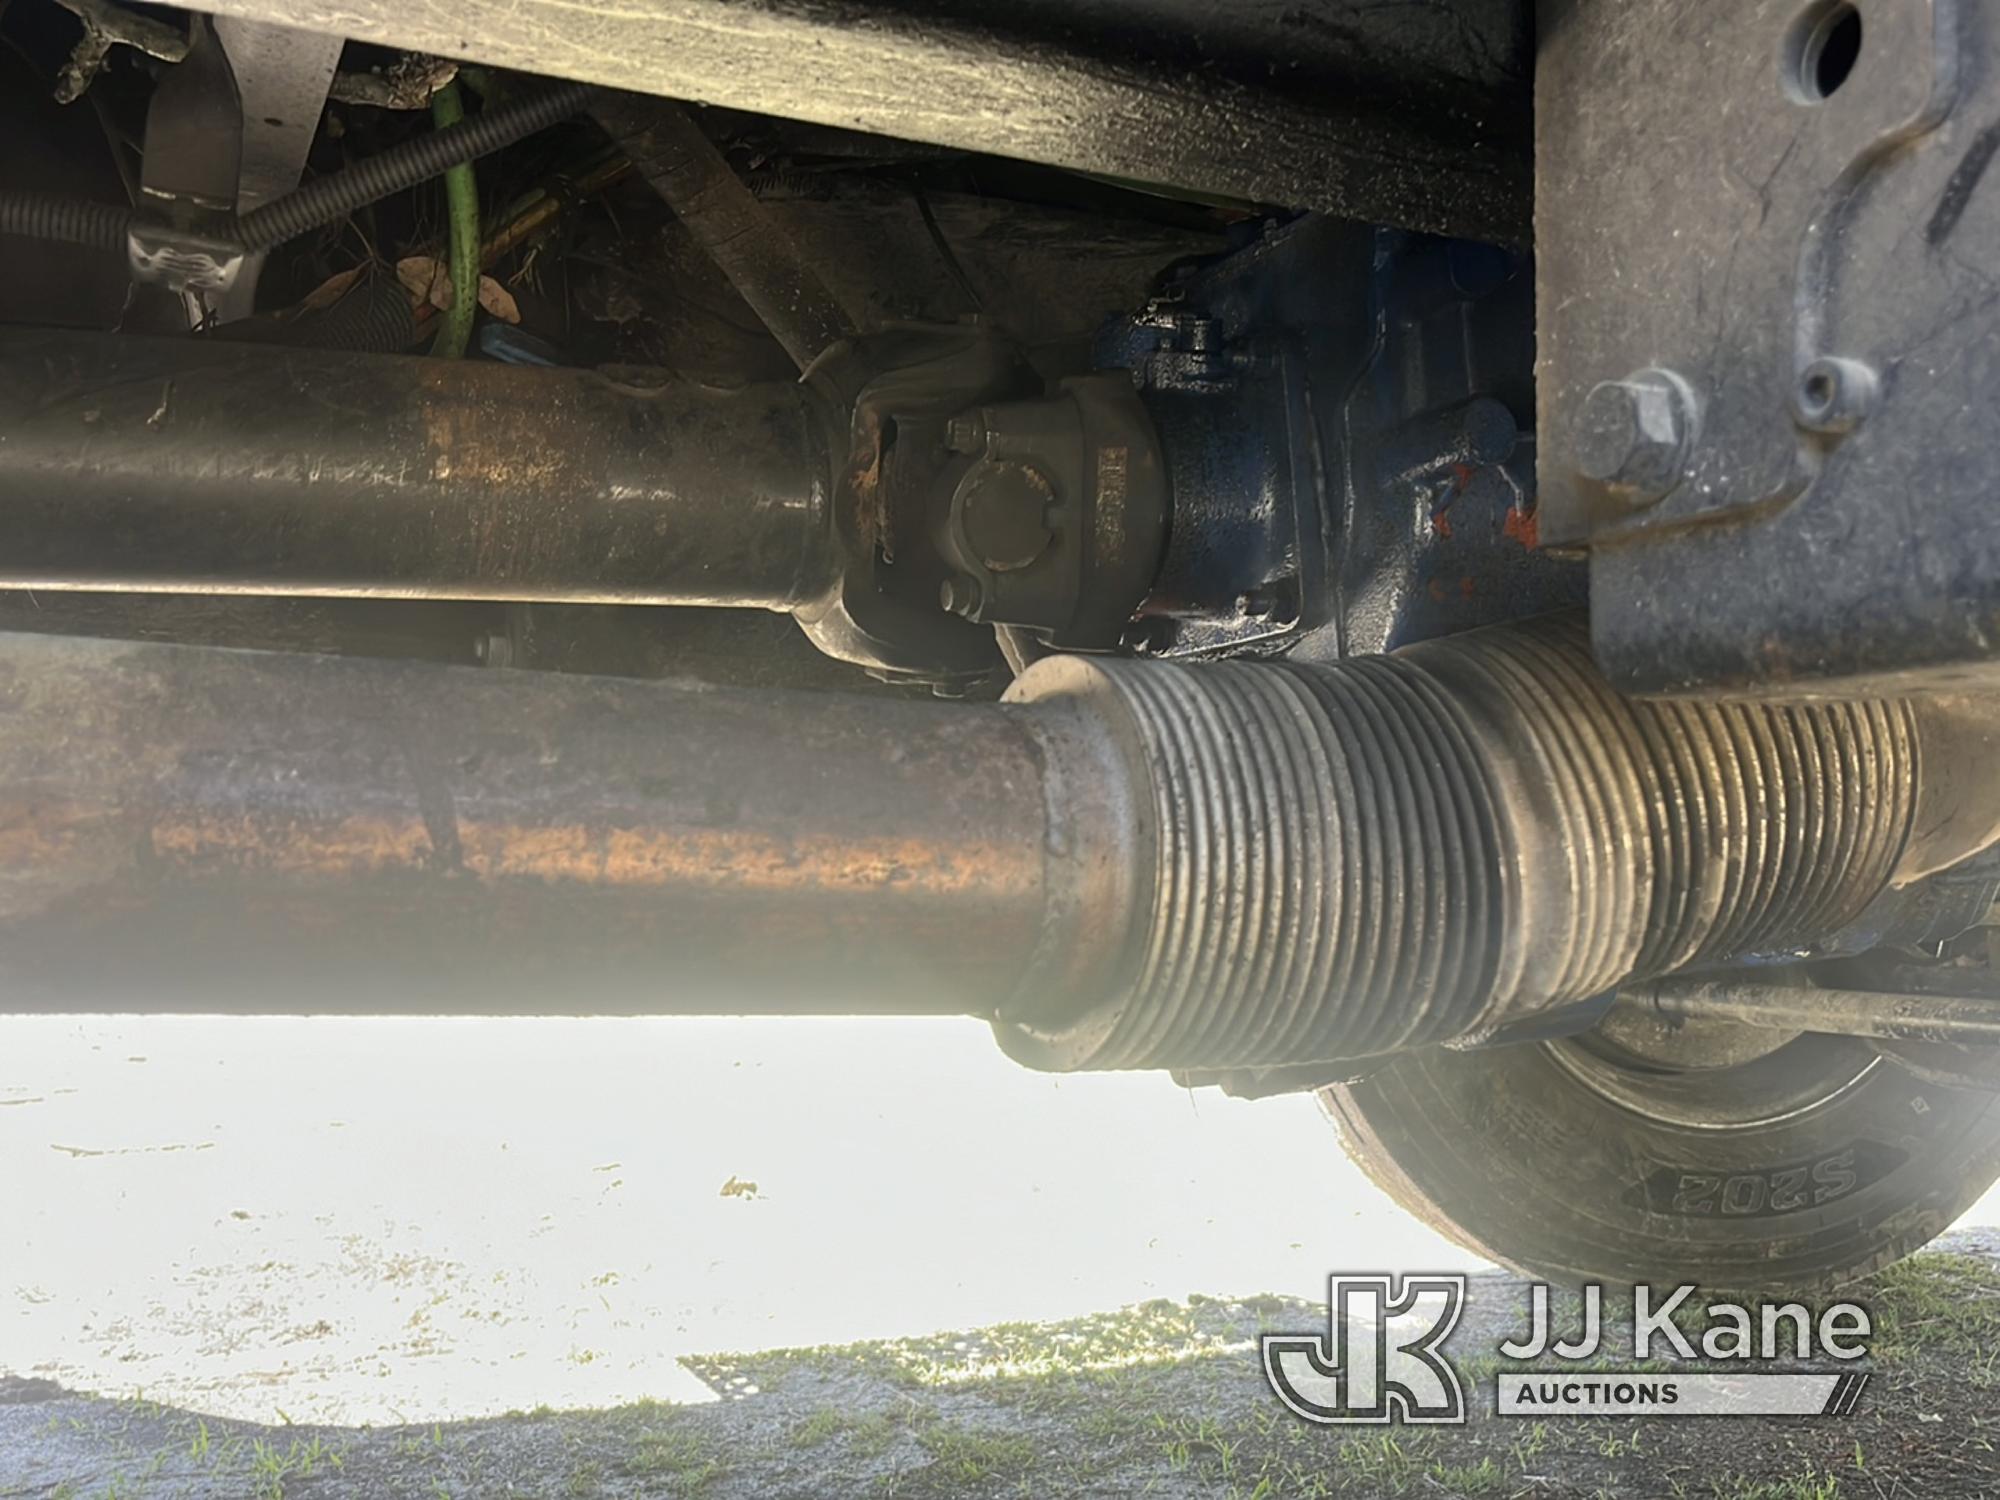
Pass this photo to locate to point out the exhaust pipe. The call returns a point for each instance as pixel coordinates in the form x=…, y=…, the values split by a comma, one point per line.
x=1124, y=865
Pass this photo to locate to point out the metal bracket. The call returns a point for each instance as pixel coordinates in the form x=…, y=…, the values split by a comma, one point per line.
x=1768, y=331
x=283, y=75
x=1696, y=199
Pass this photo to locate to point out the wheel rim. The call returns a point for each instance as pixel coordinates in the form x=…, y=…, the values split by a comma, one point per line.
x=1748, y=1089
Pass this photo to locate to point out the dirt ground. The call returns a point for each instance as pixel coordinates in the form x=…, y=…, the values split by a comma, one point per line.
x=1161, y=1400
x=412, y=1219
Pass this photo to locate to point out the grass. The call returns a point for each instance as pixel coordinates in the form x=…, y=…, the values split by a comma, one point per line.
x=964, y=1456
x=866, y=1434
x=270, y=1468
x=872, y=1435
x=1130, y=1385
x=1531, y=1443
x=683, y=1460
x=1937, y=1304
x=1158, y=1332
x=1482, y=1478
x=1615, y=1445
x=1184, y=1439
x=1809, y=1484
x=1160, y=1400
x=1388, y=1462
x=820, y=1426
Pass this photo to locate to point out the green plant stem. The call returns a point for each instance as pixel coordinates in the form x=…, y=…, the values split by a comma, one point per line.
x=461, y=194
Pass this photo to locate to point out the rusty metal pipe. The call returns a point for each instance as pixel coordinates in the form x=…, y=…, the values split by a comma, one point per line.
x=191, y=829
x=201, y=466
x=1127, y=864
x=1885, y=1016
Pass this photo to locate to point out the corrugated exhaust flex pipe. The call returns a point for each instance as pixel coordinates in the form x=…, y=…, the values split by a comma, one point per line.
x=1336, y=862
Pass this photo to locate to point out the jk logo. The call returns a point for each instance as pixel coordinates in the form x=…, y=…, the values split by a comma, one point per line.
x=1378, y=1360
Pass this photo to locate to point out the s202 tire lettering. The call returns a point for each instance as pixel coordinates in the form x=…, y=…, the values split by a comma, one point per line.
x=1696, y=1192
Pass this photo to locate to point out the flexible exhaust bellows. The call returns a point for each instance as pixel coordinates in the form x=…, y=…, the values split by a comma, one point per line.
x=1341, y=861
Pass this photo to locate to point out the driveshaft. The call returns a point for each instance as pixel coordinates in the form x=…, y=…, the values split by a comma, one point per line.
x=208, y=467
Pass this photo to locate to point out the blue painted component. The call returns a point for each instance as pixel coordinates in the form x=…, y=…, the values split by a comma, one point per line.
x=515, y=346
x=1347, y=415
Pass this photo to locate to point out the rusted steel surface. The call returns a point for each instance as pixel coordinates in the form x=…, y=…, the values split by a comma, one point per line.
x=1412, y=115
x=1971, y=1020
x=199, y=466
x=1127, y=864
x=184, y=828
x=754, y=249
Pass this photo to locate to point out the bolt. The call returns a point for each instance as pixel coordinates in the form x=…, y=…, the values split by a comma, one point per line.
x=1253, y=360
x=494, y=650
x=1277, y=602
x=1198, y=334
x=1633, y=435
x=959, y=595
x=966, y=433
x=1834, y=394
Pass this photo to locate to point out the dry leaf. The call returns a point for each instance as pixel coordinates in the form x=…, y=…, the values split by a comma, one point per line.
x=498, y=301
x=330, y=290
x=426, y=279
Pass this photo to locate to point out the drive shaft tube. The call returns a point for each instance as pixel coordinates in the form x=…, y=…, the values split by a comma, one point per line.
x=201, y=466
x=1126, y=864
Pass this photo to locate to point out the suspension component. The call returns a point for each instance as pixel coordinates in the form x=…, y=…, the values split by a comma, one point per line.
x=1967, y=1020
x=754, y=250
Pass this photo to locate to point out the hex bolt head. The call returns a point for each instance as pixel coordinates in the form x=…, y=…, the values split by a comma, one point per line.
x=966, y=433
x=1633, y=435
x=1834, y=394
x=959, y=595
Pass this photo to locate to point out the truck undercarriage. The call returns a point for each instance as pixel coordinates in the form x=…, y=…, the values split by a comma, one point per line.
x=1428, y=554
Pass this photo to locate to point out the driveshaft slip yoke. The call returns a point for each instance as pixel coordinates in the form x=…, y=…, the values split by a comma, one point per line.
x=1320, y=863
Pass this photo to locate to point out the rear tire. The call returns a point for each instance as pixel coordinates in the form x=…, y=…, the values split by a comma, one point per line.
x=1802, y=1167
